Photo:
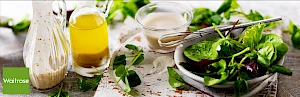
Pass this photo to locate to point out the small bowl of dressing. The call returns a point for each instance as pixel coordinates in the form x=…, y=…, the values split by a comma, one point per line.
x=157, y=19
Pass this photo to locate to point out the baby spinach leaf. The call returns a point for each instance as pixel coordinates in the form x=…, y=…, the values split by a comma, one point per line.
x=133, y=78
x=175, y=79
x=254, y=16
x=120, y=70
x=90, y=83
x=209, y=81
x=199, y=51
x=244, y=75
x=119, y=60
x=280, y=69
x=252, y=35
x=224, y=6
x=292, y=28
x=201, y=14
x=224, y=48
x=270, y=38
x=295, y=32
x=234, y=5
x=132, y=47
x=281, y=49
x=266, y=55
x=296, y=39
x=280, y=46
x=216, y=19
x=221, y=65
x=240, y=86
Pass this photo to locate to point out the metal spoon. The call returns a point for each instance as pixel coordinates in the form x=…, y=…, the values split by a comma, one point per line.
x=178, y=37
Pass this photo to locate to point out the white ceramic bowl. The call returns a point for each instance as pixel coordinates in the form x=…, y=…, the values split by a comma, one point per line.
x=179, y=57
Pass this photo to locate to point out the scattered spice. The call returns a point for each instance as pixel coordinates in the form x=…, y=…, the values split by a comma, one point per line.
x=178, y=91
x=138, y=38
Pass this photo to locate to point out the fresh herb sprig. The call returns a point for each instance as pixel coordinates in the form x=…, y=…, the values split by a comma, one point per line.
x=129, y=77
x=60, y=93
x=90, y=83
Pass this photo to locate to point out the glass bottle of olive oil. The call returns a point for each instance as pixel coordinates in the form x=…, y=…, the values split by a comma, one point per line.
x=89, y=38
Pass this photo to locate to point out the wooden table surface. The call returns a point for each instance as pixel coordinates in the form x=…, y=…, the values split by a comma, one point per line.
x=288, y=86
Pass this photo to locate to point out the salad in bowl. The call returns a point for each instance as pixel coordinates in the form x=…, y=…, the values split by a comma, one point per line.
x=232, y=62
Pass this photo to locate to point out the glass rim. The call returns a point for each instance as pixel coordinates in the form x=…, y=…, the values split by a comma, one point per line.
x=185, y=8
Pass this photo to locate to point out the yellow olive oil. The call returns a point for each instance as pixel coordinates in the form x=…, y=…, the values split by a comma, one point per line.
x=89, y=40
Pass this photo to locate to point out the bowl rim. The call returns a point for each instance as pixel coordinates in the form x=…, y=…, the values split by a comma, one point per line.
x=179, y=53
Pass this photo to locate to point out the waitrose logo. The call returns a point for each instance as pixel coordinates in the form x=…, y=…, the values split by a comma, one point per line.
x=15, y=81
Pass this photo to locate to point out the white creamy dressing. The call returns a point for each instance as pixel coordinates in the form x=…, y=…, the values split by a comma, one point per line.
x=162, y=20
x=48, y=66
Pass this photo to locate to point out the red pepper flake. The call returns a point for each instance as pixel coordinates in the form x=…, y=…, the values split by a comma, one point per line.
x=178, y=91
x=159, y=79
x=124, y=95
x=198, y=92
x=139, y=67
x=110, y=81
x=115, y=88
x=148, y=74
x=148, y=85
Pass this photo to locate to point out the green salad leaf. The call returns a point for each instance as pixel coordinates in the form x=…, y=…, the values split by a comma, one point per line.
x=267, y=55
x=119, y=60
x=240, y=86
x=132, y=47
x=90, y=83
x=225, y=47
x=175, y=79
x=252, y=35
x=296, y=39
x=280, y=46
x=199, y=51
x=280, y=69
x=295, y=32
x=292, y=28
x=60, y=93
x=133, y=78
x=221, y=65
x=224, y=6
